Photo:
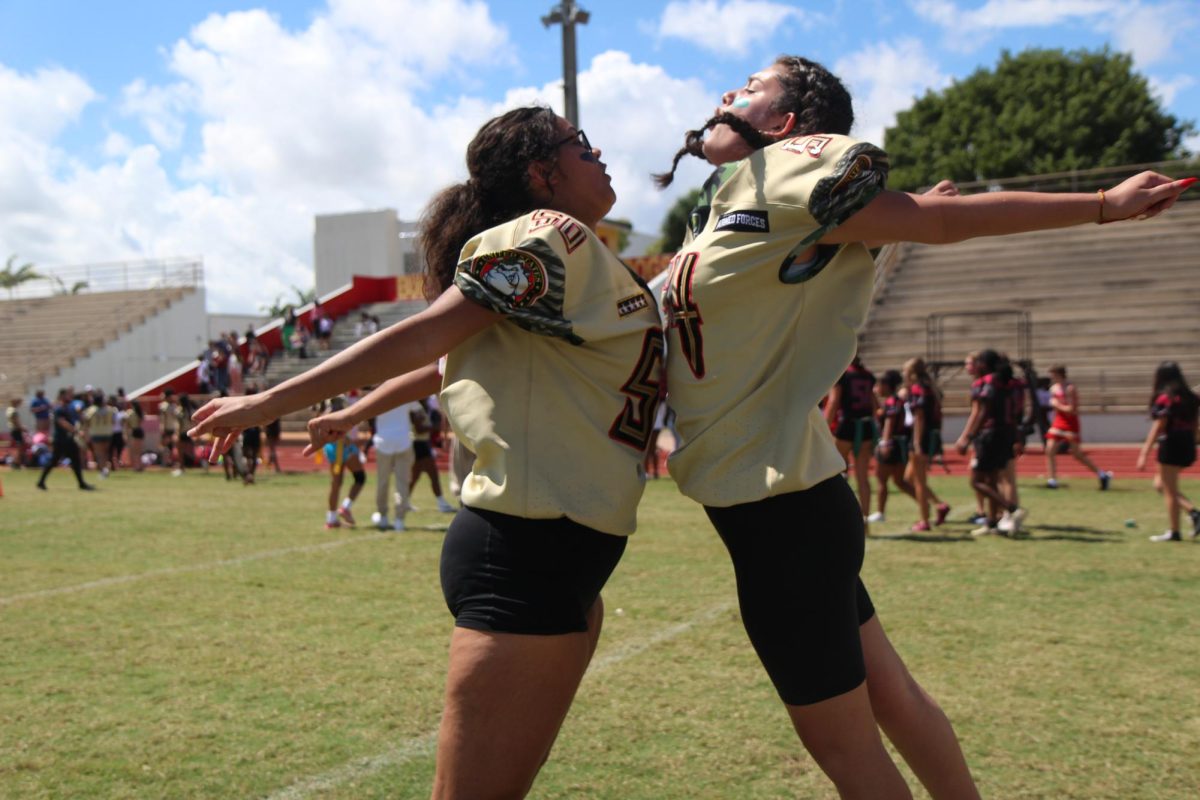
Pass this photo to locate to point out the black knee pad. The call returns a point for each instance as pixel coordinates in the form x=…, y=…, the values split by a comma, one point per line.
x=360, y=477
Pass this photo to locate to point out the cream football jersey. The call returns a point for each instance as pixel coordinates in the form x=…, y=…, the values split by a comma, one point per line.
x=756, y=336
x=557, y=400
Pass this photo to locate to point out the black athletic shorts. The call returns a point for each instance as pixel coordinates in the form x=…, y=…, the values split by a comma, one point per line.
x=931, y=442
x=896, y=454
x=514, y=575
x=857, y=430
x=1177, y=449
x=993, y=450
x=796, y=558
x=421, y=449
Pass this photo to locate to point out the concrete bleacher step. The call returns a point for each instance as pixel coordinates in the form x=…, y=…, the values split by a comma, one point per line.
x=1110, y=302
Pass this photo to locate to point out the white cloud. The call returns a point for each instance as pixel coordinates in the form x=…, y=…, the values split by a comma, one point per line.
x=1149, y=32
x=726, y=28
x=1166, y=90
x=999, y=14
x=274, y=126
x=883, y=79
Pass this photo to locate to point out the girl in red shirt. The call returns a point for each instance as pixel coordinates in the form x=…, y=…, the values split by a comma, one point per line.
x=1065, y=431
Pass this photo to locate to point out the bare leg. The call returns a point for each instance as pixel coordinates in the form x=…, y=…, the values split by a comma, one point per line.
x=1169, y=480
x=913, y=721
x=506, y=697
x=1051, y=467
x=841, y=735
x=862, y=476
x=1082, y=457
x=916, y=476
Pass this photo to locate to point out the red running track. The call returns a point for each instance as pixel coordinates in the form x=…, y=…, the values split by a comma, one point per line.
x=1121, y=460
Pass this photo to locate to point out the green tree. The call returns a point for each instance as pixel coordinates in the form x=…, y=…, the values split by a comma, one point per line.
x=1037, y=112
x=13, y=276
x=675, y=224
x=279, y=306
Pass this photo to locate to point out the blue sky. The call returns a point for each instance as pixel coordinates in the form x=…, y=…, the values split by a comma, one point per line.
x=218, y=129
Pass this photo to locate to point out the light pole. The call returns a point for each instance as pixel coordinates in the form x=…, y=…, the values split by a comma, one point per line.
x=567, y=14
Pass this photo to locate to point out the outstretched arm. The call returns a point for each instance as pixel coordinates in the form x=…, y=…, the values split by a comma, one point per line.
x=943, y=218
x=392, y=393
x=406, y=346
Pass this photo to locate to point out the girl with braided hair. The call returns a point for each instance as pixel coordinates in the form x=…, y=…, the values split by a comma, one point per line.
x=774, y=265
x=554, y=350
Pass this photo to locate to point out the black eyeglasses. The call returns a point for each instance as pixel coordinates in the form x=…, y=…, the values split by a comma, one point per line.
x=579, y=137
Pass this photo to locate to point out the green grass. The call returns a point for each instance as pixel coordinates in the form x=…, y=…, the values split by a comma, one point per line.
x=189, y=637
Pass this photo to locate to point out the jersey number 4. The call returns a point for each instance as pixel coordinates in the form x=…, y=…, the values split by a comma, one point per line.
x=682, y=312
x=642, y=391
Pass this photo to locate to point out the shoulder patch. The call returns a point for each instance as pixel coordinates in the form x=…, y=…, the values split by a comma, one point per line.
x=749, y=221
x=631, y=304
x=573, y=233
x=515, y=274
x=808, y=145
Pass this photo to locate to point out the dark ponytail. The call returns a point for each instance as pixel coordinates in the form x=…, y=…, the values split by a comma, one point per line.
x=498, y=160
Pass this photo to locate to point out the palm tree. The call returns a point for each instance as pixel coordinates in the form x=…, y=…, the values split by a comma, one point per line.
x=13, y=276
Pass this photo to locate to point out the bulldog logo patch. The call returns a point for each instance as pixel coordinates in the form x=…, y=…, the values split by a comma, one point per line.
x=514, y=274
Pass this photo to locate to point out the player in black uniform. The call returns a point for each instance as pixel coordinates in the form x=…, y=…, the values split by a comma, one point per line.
x=891, y=456
x=850, y=411
x=992, y=431
x=1175, y=410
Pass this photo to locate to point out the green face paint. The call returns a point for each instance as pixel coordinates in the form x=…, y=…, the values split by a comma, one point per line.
x=741, y=102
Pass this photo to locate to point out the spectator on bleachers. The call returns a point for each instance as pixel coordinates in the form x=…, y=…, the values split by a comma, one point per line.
x=365, y=326
x=18, y=434
x=1175, y=410
x=98, y=427
x=65, y=427
x=40, y=408
x=257, y=356
x=322, y=324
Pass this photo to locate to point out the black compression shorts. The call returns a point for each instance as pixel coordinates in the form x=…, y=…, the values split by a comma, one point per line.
x=796, y=558
x=514, y=575
x=1177, y=449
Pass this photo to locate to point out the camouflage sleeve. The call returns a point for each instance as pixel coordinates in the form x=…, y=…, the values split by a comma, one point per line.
x=857, y=175
x=526, y=283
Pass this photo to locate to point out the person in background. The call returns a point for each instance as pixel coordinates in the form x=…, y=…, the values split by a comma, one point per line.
x=343, y=456
x=99, y=424
x=394, y=461
x=135, y=433
x=1065, y=432
x=1175, y=410
x=850, y=411
x=40, y=408
x=424, y=462
x=66, y=428
x=891, y=454
x=923, y=402
x=170, y=417
x=17, y=433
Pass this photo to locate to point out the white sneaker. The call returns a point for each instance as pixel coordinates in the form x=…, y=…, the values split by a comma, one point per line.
x=1167, y=536
x=1005, y=525
x=104, y=472
x=1018, y=519
x=379, y=521
x=445, y=507
x=398, y=525
x=175, y=473
x=985, y=530
x=1051, y=483
x=878, y=516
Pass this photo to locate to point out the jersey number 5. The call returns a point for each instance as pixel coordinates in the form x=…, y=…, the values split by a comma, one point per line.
x=642, y=391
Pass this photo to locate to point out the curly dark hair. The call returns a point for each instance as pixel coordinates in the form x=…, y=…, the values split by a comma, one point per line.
x=811, y=92
x=497, y=190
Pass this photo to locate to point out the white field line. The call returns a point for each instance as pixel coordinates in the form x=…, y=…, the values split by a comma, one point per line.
x=423, y=746
x=118, y=580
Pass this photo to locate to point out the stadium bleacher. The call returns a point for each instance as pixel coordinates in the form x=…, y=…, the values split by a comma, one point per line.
x=43, y=335
x=1108, y=301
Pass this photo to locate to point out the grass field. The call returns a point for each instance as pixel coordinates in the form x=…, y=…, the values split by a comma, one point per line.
x=191, y=638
